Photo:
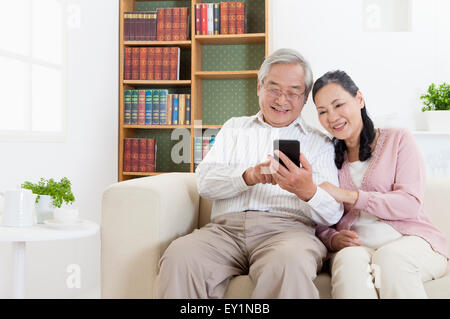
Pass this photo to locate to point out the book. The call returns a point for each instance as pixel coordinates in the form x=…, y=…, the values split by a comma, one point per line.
x=134, y=155
x=153, y=17
x=169, y=109
x=175, y=109
x=198, y=140
x=127, y=155
x=240, y=17
x=126, y=25
x=168, y=18
x=198, y=18
x=205, y=146
x=224, y=17
x=155, y=106
x=141, y=107
x=127, y=107
x=204, y=19
x=134, y=106
x=166, y=63
x=163, y=106
x=174, y=63
x=160, y=24
x=232, y=18
x=176, y=24
x=188, y=109
x=181, y=108
x=184, y=24
x=150, y=164
x=142, y=155
x=148, y=107
x=135, y=63
x=158, y=63
x=216, y=14
x=127, y=64
x=210, y=19
x=143, y=63
x=151, y=63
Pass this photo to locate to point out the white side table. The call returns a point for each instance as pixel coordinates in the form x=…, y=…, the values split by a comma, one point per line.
x=19, y=236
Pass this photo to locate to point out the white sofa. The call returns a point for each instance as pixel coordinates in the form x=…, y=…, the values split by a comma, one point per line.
x=140, y=218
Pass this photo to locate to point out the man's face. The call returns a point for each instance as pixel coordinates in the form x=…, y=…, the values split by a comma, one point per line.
x=281, y=98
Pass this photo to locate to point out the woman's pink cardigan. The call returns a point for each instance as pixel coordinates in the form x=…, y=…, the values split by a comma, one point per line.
x=392, y=189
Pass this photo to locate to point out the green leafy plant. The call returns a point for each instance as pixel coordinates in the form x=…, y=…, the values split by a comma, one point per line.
x=437, y=98
x=59, y=191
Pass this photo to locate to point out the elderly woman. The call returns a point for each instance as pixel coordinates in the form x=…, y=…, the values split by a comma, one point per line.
x=385, y=245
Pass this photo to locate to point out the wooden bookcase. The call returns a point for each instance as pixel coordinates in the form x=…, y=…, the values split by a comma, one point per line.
x=219, y=71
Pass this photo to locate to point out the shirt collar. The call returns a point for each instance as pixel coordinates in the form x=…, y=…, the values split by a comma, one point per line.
x=297, y=122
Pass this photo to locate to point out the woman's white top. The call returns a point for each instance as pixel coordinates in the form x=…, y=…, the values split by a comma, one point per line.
x=372, y=231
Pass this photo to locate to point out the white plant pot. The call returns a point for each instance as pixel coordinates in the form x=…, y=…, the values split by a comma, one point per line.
x=438, y=121
x=44, y=209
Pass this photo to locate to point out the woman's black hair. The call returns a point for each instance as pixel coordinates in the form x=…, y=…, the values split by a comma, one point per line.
x=368, y=132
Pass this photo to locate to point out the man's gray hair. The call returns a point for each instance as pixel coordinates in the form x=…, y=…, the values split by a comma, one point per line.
x=287, y=56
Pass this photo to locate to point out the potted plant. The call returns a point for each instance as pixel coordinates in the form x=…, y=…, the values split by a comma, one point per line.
x=51, y=195
x=437, y=107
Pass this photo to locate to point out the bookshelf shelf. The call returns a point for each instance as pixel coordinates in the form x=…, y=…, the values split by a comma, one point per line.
x=223, y=75
x=156, y=126
x=165, y=83
x=218, y=71
x=182, y=44
x=231, y=39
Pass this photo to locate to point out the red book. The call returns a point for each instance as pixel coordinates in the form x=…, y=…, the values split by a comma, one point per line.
x=126, y=26
x=232, y=18
x=135, y=63
x=127, y=155
x=132, y=25
x=166, y=63
x=147, y=27
x=151, y=155
x=140, y=26
x=127, y=64
x=204, y=18
x=142, y=154
x=184, y=24
x=160, y=24
x=153, y=25
x=151, y=63
x=224, y=18
x=143, y=63
x=168, y=20
x=174, y=63
x=240, y=17
x=176, y=24
x=158, y=63
x=134, y=155
x=141, y=107
x=198, y=17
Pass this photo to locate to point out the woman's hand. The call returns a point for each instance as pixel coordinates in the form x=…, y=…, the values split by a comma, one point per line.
x=339, y=194
x=345, y=238
x=294, y=179
x=259, y=174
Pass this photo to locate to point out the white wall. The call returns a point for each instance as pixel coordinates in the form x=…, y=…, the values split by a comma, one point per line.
x=392, y=69
x=88, y=156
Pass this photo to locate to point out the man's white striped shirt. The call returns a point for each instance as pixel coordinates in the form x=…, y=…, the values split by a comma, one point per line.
x=244, y=142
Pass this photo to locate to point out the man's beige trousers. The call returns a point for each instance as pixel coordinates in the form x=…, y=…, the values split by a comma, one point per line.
x=281, y=255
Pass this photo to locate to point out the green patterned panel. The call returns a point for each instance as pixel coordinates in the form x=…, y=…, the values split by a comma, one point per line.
x=164, y=144
x=232, y=57
x=153, y=5
x=254, y=14
x=223, y=99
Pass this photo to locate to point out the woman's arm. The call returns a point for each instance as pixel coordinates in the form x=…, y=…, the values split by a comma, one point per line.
x=339, y=194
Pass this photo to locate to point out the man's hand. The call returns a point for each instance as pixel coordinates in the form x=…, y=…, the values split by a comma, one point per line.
x=345, y=238
x=259, y=174
x=294, y=179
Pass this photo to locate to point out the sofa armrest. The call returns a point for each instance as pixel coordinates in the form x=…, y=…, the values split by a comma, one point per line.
x=140, y=218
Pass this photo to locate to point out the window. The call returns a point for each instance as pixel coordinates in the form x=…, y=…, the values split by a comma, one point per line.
x=32, y=69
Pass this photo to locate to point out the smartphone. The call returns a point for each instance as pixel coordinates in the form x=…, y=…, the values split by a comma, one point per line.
x=291, y=148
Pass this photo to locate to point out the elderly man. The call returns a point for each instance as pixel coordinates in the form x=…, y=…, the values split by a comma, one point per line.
x=262, y=222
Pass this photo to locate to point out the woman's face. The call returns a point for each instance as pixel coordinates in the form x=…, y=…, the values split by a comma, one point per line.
x=339, y=112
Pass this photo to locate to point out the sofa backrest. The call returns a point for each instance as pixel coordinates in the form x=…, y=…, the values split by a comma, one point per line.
x=437, y=205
